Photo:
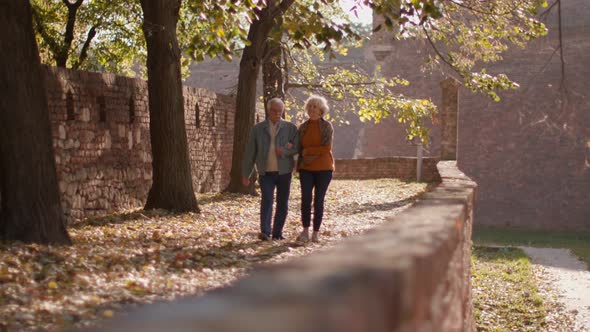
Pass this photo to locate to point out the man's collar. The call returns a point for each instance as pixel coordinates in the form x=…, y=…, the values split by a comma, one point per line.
x=274, y=124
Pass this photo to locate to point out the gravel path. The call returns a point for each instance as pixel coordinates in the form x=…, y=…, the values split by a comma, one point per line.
x=570, y=278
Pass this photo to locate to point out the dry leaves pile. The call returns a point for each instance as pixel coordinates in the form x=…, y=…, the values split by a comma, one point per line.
x=122, y=260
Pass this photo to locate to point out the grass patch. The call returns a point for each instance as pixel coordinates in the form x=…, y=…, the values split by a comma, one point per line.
x=505, y=294
x=578, y=242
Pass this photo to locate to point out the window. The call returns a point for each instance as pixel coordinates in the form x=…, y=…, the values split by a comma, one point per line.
x=70, y=115
x=102, y=112
x=131, y=110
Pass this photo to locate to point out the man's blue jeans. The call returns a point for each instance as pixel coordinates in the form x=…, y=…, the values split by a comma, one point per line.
x=268, y=182
x=316, y=182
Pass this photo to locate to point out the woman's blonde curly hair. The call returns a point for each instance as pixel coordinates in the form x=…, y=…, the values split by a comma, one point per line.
x=320, y=101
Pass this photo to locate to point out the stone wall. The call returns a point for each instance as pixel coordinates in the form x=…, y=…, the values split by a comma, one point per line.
x=403, y=168
x=417, y=279
x=101, y=138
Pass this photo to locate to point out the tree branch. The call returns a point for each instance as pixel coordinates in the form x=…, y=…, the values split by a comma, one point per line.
x=84, y=51
x=439, y=53
x=318, y=85
x=561, y=57
x=286, y=67
x=62, y=56
x=544, y=14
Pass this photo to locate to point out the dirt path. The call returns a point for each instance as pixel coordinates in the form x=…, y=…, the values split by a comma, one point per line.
x=571, y=279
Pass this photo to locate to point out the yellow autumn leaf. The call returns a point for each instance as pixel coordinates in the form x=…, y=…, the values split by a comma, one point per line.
x=108, y=313
x=220, y=32
x=52, y=285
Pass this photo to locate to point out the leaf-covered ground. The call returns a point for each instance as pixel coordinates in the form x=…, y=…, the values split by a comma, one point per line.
x=510, y=295
x=126, y=259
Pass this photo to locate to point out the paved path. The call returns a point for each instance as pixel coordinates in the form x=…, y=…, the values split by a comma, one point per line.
x=571, y=279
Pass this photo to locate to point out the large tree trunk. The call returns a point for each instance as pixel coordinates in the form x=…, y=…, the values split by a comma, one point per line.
x=246, y=98
x=30, y=208
x=172, y=187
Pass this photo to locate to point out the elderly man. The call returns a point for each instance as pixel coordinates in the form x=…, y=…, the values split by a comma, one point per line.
x=272, y=146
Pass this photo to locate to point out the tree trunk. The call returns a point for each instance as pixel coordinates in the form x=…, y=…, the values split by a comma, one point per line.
x=246, y=97
x=30, y=208
x=61, y=58
x=172, y=187
x=272, y=74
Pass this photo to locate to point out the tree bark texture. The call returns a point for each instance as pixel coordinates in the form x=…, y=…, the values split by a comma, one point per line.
x=272, y=74
x=30, y=208
x=246, y=96
x=172, y=187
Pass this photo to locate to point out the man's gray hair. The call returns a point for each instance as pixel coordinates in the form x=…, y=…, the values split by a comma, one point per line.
x=275, y=101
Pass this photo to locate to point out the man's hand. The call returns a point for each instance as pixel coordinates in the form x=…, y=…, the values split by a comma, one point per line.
x=289, y=146
x=245, y=181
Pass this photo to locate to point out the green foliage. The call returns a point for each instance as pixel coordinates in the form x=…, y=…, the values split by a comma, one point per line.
x=466, y=35
x=369, y=96
x=326, y=26
x=205, y=28
x=328, y=31
x=118, y=43
x=211, y=28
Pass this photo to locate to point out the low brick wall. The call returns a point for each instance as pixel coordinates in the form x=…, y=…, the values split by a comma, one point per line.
x=403, y=168
x=411, y=273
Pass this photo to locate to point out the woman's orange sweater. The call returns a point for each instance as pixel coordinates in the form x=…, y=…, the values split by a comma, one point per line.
x=316, y=157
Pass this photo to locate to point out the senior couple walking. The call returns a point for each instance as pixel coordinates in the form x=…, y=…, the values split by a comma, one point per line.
x=272, y=147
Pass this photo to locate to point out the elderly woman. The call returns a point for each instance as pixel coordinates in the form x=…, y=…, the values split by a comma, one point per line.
x=315, y=164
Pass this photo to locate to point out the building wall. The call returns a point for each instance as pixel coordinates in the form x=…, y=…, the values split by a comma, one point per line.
x=529, y=153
